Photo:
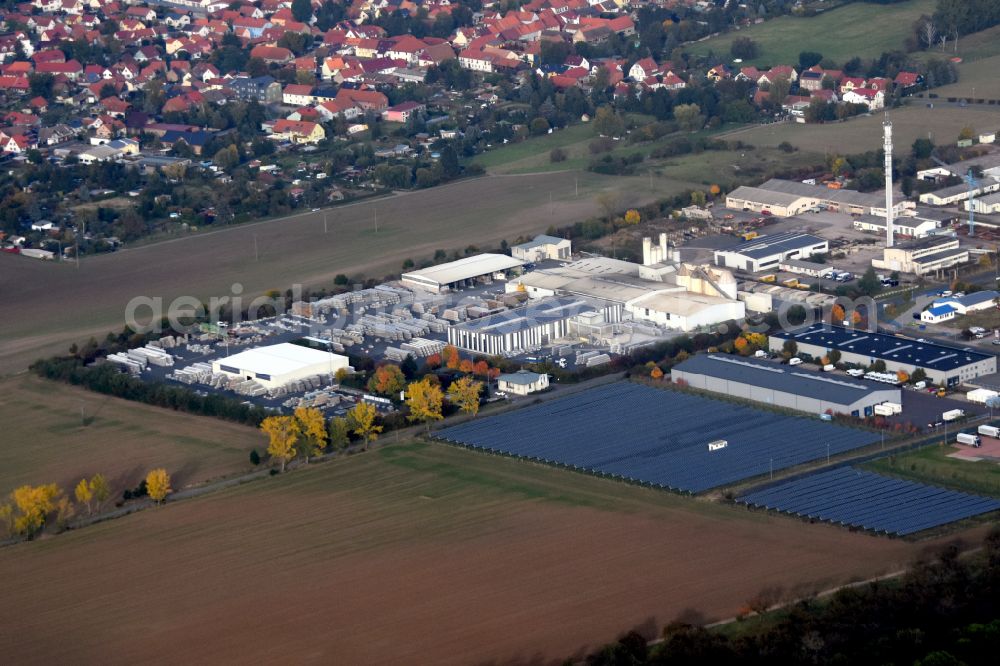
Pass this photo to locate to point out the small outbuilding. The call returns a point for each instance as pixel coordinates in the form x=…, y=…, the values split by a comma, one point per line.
x=523, y=382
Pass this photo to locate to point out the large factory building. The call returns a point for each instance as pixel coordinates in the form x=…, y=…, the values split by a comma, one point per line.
x=782, y=386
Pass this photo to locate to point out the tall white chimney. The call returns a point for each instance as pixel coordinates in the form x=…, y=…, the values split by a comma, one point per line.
x=887, y=130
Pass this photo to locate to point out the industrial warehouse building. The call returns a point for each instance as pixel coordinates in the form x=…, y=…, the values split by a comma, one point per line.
x=923, y=255
x=943, y=364
x=988, y=205
x=462, y=273
x=955, y=193
x=767, y=252
x=783, y=198
x=910, y=226
x=977, y=300
x=533, y=326
x=278, y=365
x=543, y=247
x=783, y=386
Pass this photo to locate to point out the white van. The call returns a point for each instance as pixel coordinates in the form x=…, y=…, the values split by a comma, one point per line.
x=795, y=360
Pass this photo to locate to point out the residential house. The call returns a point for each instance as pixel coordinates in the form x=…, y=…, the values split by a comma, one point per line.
x=297, y=94
x=402, y=112
x=298, y=131
x=264, y=89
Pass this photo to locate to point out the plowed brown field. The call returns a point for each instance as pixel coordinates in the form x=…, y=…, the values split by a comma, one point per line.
x=413, y=554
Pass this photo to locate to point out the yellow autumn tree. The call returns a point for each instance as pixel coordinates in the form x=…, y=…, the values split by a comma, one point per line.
x=84, y=494
x=7, y=518
x=312, y=431
x=362, y=421
x=424, y=399
x=632, y=217
x=34, y=504
x=464, y=393
x=466, y=366
x=100, y=489
x=902, y=376
x=158, y=485
x=656, y=373
x=714, y=190
x=284, y=432
x=837, y=314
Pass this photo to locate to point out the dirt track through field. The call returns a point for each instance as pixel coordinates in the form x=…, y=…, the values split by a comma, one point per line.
x=408, y=555
x=47, y=307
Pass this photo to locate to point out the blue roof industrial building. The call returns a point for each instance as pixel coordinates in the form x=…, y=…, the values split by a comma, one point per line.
x=943, y=364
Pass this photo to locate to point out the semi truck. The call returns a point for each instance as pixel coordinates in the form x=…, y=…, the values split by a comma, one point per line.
x=967, y=438
x=952, y=414
x=990, y=431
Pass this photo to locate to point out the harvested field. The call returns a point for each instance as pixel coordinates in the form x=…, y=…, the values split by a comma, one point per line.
x=53, y=306
x=45, y=439
x=942, y=123
x=408, y=554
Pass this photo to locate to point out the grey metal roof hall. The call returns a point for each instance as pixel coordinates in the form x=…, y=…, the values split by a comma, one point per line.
x=535, y=313
x=788, y=379
x=766, y=246
x=883, y=346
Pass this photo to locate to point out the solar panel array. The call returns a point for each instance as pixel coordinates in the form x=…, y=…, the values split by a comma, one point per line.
x=655, y=437
x=858, y=498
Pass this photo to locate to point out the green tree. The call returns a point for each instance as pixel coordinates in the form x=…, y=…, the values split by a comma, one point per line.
x=339, y=433
x=869, y=284
x=689, y=117
x=302, y=10
x=744, y=48
x=608, y=123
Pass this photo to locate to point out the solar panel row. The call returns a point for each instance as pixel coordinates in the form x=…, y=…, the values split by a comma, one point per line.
x=858, y=498
x=660, y=438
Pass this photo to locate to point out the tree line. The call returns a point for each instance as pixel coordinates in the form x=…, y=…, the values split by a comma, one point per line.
x=31, y=509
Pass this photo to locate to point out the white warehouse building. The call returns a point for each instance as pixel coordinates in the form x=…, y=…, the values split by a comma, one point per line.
x=767, y=252
x=462, y=272
x=275, y=366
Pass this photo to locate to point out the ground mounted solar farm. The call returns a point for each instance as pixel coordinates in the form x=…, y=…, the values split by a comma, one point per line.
x=685, y=442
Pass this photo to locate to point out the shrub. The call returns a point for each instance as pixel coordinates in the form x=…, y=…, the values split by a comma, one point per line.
x=557, y=155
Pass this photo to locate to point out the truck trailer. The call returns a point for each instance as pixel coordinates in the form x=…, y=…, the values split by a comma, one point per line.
x=968, y=439
x=990, y=431
x=952, y=414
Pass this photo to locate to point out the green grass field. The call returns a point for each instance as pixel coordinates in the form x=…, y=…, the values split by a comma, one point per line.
x=856, y=29
x=978, y=45
x=977, y=79
x=58, y=433
x=932, y=465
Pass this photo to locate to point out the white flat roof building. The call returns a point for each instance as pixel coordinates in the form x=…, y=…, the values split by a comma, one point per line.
x=459, y=273
x=277, y=365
